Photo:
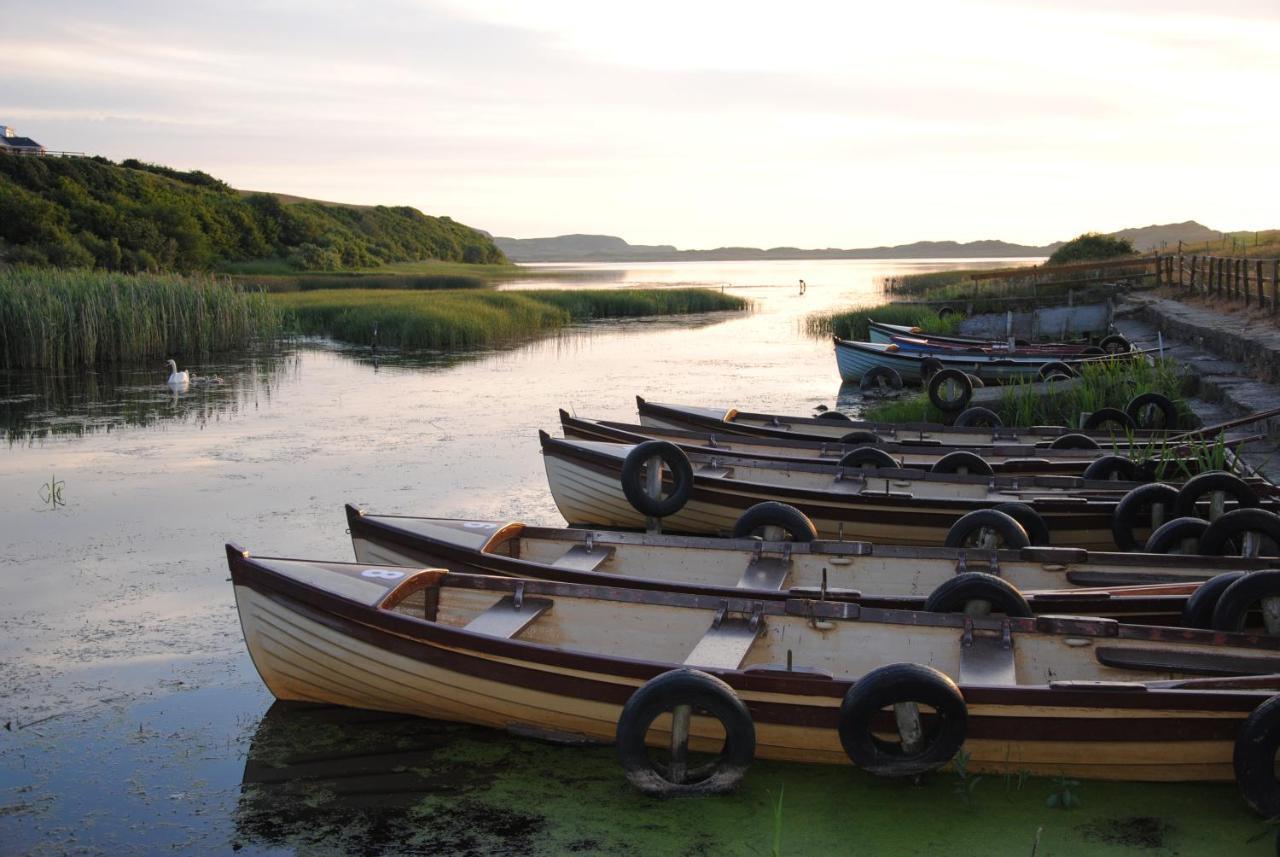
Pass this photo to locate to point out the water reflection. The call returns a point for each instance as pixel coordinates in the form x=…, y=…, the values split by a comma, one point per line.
x=38, y=405
x=322, y=779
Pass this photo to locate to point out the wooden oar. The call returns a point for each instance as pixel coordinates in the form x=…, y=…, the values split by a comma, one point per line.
x=1229, y=424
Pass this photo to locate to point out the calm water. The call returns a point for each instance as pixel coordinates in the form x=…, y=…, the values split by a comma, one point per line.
x=132, y=713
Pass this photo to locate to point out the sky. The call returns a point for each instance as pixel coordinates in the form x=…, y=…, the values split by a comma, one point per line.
x=699, y=124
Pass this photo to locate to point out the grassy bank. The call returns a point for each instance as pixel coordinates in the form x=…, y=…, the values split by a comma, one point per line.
x=1101, y=385
x=853, y=324
x=480, y=318
x=59, y=319
x=276, y=276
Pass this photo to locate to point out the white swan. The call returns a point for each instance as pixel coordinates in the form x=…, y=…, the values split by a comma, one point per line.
x=176, y=378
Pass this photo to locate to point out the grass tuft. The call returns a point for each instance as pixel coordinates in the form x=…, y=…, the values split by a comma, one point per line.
x=853, y=324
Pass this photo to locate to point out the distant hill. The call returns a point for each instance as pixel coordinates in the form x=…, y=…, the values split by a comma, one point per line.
x=608, y=248
x=91, y=212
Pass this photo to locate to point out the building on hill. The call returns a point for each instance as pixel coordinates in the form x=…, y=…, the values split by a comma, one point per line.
x=12, y=144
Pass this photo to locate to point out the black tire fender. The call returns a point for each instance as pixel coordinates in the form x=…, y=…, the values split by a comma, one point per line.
x=705, y=693
x=1075, y=440
x=1114, y=416
x=1115, y=344
x=1009, y=530
x=929, y=367
x=945, y=732
x=633, y=482
x=1125, y=518
x=1254, y=758
x=1223, y=537
x=1055, y=367
x=868, y=455
x=1215, y=480
x=880, y=376
x=1171, y=534
x=1242, y=596
x=774, y=514
x=1110, y=467
x=953, y=594
x=1198, y=611
x=1140, y=403
x=944, y=377
x=962, y=461
x=1036, y=526
x=973, y=417
x=835, y=416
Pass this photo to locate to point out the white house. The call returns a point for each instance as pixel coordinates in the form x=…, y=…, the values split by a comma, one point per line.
x=12, y=144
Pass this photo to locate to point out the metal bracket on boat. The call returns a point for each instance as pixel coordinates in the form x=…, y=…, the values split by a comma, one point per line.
x=962, y=562
x=711, y=441
x=753, y=623
x=590, y=542
x=518, y=599
x=994, y=564
x=721, y=612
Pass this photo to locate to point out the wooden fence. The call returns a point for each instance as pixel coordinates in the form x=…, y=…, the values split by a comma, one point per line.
x=1256, y=282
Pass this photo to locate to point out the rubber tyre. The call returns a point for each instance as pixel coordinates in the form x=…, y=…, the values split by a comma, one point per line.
x=1215, y=480
x=1168, y=410
x=1239, y=598
x=860, y=436
x=702, y=691
x=1055, y=367
x=864, y=455
x=1115, y=344
x=1110, y=467
x=1036, y=526
x=1125, y=518
x=1009, y=530
x=974, y=417
x=950, y=406
x=1101, y=417
x=953, y=594
x=1222, y=537
x=929, y=367
x=774, y=514
x=837, y=416
x=879, y=376
x=961, y=459
x=1254, y=758
x=1198, y=611
x=1057, y=376
x=633, y=480
x=1171, y=534
x=974, y=381
x=1074, y=441
x=947, y=311
x=1093, y=351
x=902, y=683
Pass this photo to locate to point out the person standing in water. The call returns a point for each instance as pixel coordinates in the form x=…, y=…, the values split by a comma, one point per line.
x=802, y=287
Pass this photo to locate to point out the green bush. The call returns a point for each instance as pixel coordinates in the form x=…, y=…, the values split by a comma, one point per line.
x=1092, y=247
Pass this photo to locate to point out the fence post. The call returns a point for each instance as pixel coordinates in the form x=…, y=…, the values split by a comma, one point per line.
x=1275, y=286
x=1257, y=272
x=1215, y=275
x=1193, y=274
x=1244, y=279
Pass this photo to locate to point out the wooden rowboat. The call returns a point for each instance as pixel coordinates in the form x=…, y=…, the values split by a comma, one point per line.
x=1003, y=458
x=855, y=359
x=884, y=505
x=734, y=421
x=1145, y=588
x=800, y=679
x=884, y=332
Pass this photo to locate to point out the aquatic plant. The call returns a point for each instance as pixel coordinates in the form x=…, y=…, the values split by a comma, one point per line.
x=478, y=318
x=52, y=318
x=854, y=323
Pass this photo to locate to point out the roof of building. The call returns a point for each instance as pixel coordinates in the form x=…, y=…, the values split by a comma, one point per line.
x=20, y=143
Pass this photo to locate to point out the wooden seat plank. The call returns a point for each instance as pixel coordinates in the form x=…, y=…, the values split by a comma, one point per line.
x=504, y=619
x=765, y=573
x=987, y=660
x=724, y=646
x=1198, y=663
x=583, y=558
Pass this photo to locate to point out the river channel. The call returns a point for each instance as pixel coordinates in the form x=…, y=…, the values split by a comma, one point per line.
x=131, y=720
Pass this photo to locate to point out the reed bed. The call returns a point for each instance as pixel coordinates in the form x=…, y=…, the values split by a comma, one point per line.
x=323, y=282
x=853, y=324
x=475, y=319
x=1104, y=384
x=59, y=319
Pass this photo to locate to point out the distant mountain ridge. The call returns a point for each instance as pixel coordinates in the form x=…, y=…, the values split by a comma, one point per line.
x=610, y=248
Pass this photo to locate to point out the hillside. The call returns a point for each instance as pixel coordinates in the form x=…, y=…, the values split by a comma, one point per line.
x=607, y=248
x=91, y=212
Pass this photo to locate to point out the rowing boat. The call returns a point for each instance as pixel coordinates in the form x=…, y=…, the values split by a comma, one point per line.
x=884, y=332
x=800, y=679
x=1002, y=457
x=855, y=359
x=1138, y=587
x=883, y=504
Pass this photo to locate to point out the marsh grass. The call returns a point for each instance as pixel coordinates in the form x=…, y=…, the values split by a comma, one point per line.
x=478, y=318
x=853, y=324
x=59, y=319
x=1103, y=384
